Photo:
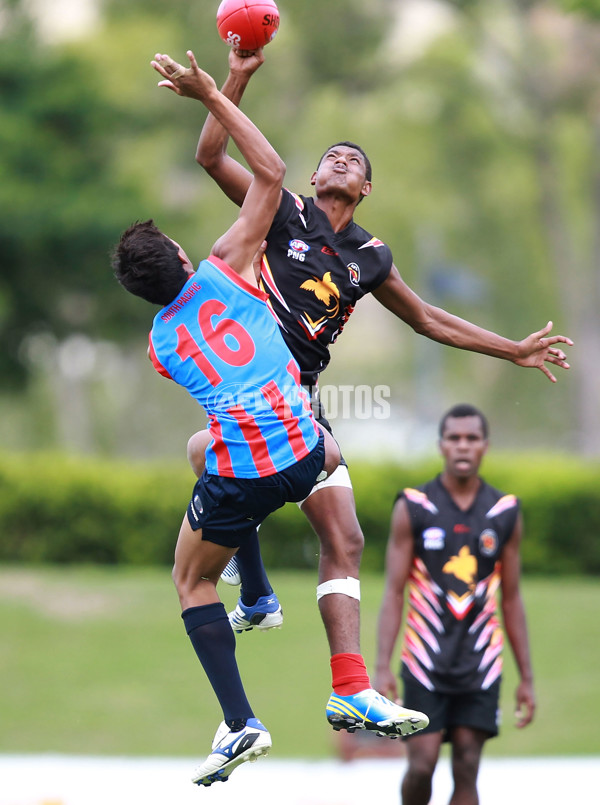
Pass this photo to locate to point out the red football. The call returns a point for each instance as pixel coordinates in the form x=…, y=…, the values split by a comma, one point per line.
x=247, y=24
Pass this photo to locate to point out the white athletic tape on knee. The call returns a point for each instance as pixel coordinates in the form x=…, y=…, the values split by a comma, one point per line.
x=339, y=477
x=347, y=586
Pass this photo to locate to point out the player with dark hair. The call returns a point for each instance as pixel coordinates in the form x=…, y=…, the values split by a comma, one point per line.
x=318, y=264
x=453, y=542
x=463, y=410
x=353, y=147
x=216, y=337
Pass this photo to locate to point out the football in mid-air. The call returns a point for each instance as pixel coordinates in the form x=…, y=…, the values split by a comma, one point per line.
x=247, y=24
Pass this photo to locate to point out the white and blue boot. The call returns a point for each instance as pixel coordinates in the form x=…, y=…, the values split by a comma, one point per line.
x=230, y=749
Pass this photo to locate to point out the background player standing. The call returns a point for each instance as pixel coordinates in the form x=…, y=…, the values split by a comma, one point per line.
x=453, y=542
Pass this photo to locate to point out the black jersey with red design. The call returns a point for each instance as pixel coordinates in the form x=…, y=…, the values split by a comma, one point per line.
x=453, y=638
x=315, y=276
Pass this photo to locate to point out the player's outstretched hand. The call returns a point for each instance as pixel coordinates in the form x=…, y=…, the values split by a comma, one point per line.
x=191, y=82
x=245, y=62
x=537, y=349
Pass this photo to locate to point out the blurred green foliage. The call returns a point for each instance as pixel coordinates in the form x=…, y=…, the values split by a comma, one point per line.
x=484, y=141
x=56, y=179
x=587, y=8
x=59, y=509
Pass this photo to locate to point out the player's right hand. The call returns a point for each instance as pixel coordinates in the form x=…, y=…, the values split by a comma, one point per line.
x=245, y=62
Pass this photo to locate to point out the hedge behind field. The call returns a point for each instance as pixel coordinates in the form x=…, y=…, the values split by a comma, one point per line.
x=62, y=509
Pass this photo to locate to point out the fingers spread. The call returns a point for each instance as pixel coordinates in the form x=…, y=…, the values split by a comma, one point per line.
x=548, y=374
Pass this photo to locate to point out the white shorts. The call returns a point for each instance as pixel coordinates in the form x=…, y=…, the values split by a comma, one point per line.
x=339, y=477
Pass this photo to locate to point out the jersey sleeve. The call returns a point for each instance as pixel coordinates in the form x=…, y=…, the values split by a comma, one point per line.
x=154, y=359
x=505, y=512
x=290, y=206
x=381, y=265
x=420, y=508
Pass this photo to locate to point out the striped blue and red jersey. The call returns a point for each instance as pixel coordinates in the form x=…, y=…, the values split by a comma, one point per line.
x=220, y=341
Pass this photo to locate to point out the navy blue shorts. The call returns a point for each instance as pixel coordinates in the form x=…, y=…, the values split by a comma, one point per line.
x=230, y=509
x=476, y=709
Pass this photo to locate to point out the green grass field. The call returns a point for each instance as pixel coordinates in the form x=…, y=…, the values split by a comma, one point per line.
x=96, y=661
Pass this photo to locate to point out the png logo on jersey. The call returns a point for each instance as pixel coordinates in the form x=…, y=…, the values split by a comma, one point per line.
x=297, y=249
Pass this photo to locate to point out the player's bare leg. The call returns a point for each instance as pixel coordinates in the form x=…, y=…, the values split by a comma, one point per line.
x=331, y=512
x=198, y=566
x=467, y=747
x=423, y=752
x=196, y=449
x=354, y=704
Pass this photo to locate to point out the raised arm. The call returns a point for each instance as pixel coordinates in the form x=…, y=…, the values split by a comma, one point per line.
x=233, y=178
x=515, y=625
x=239, y=244
x=399, y=557
x=433, y=322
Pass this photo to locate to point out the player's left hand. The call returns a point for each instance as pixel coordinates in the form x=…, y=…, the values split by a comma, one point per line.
x=525, y=700
x=538, y=349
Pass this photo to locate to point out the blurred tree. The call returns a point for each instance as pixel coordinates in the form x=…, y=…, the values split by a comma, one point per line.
x=488, y=137
x=340, y=41
x=587, y=8
x=62, y=201
x=546, y=84
x=485, y=165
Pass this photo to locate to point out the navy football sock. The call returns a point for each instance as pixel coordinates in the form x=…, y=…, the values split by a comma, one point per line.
x=214, y=643
x=255, y=582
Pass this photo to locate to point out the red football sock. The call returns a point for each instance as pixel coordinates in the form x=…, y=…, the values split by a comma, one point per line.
x=349, y=674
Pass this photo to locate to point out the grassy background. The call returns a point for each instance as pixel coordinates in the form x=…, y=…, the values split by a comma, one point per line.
x=96, y=661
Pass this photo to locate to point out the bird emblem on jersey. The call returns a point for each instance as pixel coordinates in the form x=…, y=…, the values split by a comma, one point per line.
x=325, y=290
x=463, y=566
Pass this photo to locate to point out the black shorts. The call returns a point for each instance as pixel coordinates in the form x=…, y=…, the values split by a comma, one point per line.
x=477, y=709
x=230, y=509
